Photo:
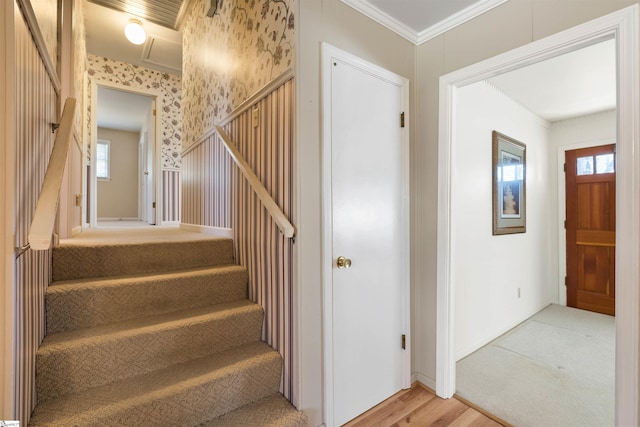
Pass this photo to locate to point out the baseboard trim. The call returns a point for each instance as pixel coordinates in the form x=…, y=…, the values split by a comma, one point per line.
x=76, y=230
x=424, y=381
x=214, y=231
x=118, y=219
x=482, y=411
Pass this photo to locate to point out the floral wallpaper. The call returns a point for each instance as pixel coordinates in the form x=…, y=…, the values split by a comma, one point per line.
x=230, y=56
x=110, y=70
x=79, y=62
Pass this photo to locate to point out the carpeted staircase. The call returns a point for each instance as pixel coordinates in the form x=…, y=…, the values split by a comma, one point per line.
x=155, y=334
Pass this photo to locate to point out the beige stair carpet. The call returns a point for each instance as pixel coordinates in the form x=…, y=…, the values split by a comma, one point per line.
x=147, y=331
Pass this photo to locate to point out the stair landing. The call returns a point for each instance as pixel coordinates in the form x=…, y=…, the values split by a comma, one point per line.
x=134, y=232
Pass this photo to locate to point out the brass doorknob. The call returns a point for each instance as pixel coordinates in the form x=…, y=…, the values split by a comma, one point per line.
x=343, y=262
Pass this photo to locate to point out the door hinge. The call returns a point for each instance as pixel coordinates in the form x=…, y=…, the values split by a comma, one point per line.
x=564, y=167
x=402, y=119
x=153, y=205
x=404, y=341
x=565, y=224
x=565, y=281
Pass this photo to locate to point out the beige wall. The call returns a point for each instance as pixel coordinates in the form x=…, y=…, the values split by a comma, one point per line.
x=513, y=24
x=118, y=197
x=333, y=22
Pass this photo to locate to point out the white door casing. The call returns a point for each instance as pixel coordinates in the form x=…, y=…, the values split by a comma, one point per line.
x=154, y=189
x=366, y=217
x=623, y=25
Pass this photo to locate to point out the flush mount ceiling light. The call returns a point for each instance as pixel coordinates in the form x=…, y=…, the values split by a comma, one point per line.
x=134, y=32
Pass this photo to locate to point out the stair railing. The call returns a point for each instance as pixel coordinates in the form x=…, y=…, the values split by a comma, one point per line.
x=44, y=217
x=286, y=228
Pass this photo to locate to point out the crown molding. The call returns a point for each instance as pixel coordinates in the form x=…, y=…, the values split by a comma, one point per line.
x=367, y=9
x=476, y=9
x=459, y=18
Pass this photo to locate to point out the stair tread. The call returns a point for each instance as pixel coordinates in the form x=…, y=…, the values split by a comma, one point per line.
x=84, y=303
x=272, y=411
x=77, y=261
x=150, y=324
x=79, y=242
x=113, y=281
x=148, y=389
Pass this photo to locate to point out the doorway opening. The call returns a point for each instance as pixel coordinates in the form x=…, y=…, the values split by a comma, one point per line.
x=621, y=26
x=123, y=183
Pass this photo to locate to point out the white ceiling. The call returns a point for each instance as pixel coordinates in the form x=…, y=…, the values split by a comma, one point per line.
x=122, y=110
x=571, y=85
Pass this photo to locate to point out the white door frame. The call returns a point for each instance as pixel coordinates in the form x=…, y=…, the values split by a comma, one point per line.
x=623, y=25
x=157, y=147
x=328, y=53
x=562, y=203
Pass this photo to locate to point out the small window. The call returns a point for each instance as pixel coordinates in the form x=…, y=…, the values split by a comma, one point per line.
x=103, y=155
x=585, y=166
x=604, y=163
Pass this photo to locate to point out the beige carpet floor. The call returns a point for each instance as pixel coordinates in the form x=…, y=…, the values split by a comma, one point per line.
x=555, y=369
x=114, y=234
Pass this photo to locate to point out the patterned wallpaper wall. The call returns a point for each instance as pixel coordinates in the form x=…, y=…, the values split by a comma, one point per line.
x=232, y=55
x=79, y=62
x=109, y=70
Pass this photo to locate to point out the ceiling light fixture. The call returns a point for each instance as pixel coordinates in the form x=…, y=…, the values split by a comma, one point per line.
x=134, y=32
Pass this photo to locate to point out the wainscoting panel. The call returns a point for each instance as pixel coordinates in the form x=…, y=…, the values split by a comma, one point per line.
x=36, y=100
x=206, y=178
x=171, y=197
x=216, y=194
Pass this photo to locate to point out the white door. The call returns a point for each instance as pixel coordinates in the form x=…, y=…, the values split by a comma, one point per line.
x=151, y=171
x=366, y=187
x=142, y=177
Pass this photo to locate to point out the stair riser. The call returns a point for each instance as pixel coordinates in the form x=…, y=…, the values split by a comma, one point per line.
x=78, y=262
x=98, y=361
x=190, y=404
x=88, y=306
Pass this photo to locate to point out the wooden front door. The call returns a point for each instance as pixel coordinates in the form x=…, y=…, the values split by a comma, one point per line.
x=591, y=228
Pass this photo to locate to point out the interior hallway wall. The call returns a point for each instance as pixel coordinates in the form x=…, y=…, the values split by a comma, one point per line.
x=118, y=196
x=481, y=38
x=228, y=57
x=499, y=281
x=102, y=69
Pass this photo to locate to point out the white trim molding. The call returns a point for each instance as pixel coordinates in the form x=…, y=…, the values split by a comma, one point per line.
x=623, y=26
x=419, y=37
x=157, y=97
x=213, y=231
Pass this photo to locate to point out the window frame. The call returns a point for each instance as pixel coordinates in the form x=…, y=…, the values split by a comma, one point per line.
x=106, y=142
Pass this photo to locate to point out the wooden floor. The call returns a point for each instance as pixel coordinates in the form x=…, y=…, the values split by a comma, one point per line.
x=419, y=406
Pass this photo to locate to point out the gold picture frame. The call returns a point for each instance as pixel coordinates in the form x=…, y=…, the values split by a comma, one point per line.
x=509, y=185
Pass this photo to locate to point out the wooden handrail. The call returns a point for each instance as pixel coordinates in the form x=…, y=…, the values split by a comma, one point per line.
x=44, y=217
x=272, y=207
